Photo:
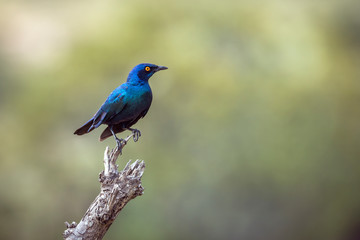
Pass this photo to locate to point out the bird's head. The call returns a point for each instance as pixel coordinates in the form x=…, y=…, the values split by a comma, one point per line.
x=144, y=71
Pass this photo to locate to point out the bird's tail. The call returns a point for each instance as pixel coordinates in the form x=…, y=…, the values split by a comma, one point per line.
x=92, y=123
x=87, y=127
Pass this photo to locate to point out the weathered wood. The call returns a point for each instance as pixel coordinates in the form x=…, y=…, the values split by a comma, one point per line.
x=117, y=189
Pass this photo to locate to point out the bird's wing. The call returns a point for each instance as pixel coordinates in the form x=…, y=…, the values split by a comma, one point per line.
x=114, y=104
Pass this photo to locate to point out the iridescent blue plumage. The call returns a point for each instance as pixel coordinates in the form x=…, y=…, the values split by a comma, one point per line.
x=125, y=105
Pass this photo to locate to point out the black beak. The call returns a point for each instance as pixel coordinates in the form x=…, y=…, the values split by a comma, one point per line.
x=161, y=68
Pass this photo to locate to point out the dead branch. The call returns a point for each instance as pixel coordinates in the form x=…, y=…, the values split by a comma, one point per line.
x=117, y=189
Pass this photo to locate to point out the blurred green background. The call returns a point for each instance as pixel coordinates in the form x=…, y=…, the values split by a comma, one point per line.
x=254, y=131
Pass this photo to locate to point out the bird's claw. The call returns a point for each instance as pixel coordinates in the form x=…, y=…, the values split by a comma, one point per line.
x=136, y=134
x=120, y=143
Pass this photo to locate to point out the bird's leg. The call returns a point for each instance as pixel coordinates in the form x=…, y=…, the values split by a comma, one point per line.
x=119, y=141
x=136, y=133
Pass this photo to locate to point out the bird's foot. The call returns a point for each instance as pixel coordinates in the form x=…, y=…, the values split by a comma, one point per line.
x=136, y=134
x=120, y=143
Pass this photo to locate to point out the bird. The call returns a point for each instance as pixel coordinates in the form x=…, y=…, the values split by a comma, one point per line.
x=125, y=105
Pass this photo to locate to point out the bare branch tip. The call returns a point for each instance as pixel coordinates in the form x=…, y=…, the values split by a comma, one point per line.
x=70, y=225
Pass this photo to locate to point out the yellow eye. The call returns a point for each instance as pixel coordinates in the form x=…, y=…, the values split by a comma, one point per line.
x=147, y=69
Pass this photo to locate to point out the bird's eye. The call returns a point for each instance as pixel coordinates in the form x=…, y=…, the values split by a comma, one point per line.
x=147, y=69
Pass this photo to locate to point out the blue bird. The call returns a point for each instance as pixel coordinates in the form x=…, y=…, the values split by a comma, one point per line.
x=125, y=105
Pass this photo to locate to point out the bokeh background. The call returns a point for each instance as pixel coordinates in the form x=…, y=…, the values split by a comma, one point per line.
x=254, y=131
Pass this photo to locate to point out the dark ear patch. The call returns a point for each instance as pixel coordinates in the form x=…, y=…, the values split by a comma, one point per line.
x=141, y=74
